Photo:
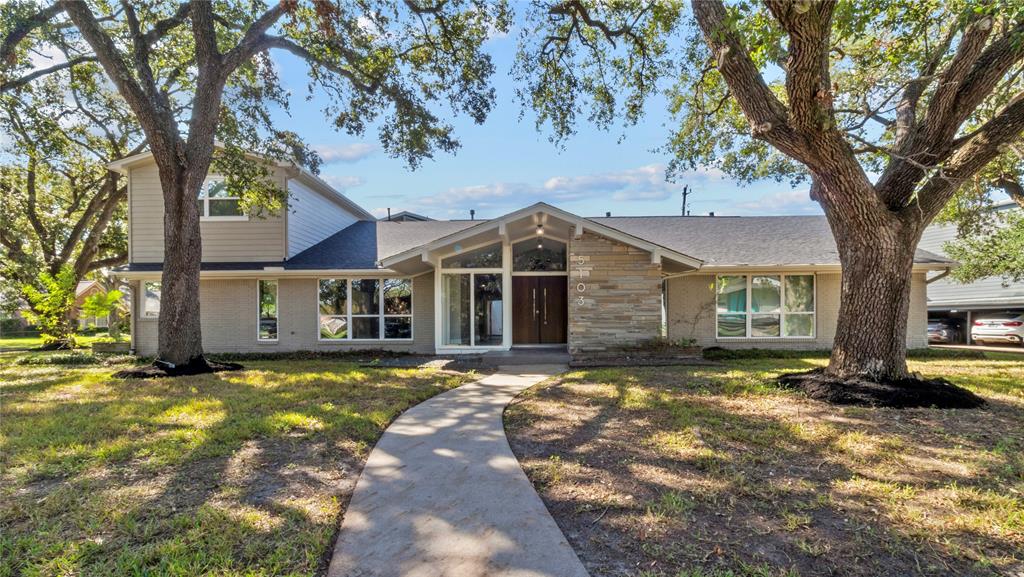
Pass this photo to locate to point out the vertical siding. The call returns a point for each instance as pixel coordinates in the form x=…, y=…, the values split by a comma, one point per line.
x=254, y=240
x=312, y=218
x=691, y=314
x=229, y=319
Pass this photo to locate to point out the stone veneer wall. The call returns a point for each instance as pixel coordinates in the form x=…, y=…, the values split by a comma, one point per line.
x=620, y=300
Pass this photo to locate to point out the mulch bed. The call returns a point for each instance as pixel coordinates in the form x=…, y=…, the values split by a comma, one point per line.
x=161, y=370
x=903, y=393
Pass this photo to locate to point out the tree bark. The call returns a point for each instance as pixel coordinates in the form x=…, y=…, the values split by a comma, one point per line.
x=180, y=340
x=877, y=269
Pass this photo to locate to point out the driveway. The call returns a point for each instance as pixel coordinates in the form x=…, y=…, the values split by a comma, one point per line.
x=442, y=495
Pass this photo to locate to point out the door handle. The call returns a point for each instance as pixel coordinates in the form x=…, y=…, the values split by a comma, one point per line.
x=535, y=311
x=545, y=306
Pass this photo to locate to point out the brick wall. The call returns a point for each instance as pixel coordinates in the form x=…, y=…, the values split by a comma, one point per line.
x=229, y=319
x=621, y=296
x=691, y=314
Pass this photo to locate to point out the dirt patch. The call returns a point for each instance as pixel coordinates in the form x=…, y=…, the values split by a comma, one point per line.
x=164, y=370
x=904, y=393
x=716, y=471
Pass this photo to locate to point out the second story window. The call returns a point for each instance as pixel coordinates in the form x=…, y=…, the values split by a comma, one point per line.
x=216, y=203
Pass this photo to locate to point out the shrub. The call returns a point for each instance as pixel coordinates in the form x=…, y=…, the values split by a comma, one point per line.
x=75, y=358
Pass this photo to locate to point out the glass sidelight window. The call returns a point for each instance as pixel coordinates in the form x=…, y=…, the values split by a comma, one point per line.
x=473, y=309
x=765, y=306
x=488, y=308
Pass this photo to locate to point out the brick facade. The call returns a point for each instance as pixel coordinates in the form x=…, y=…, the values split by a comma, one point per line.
x=614, y=295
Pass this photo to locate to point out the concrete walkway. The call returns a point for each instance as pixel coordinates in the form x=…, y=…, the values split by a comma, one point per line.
x=443, y=495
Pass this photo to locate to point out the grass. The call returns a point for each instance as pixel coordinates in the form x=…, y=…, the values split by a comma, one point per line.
x=666, y=471
x=24, y=343
x=242, y=473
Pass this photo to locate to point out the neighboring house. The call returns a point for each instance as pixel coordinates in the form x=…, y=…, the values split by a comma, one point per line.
x=405, y=216
x=326, y=275
x=948, y=298
x=84, y=290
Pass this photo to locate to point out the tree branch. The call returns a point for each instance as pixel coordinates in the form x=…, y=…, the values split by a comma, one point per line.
x=984, y=146
x=38, y=73
x=766, y=114
x=15, y=36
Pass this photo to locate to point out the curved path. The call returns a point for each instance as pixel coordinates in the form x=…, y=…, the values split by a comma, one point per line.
x=442, y=495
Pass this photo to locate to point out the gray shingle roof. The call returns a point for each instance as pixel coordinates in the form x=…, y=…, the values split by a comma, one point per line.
x=746, y=240
x=718, y=241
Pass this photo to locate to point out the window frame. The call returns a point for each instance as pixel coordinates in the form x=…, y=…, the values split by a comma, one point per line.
x=381, y=316
x=783, y=313
x=146, y=313
x=204, y=215
x=277, y=306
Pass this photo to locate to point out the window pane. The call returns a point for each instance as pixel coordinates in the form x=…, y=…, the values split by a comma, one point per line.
x=216, y=189
x=764, y=326
x=333, y=328
x=202, y=207
x=732, y=294
x=365, y=298
x=151, y=299
x=366, y=327
x=543, y=254
x=800, y=293
x=765, y=294
x=224, y=207
x=455, y=294
x=397, y=296
x=398, y=327
x=487, y=293
x=333, y=296
x=799, y=325
x=732, y=325
x=268, y=309
x=484, y=257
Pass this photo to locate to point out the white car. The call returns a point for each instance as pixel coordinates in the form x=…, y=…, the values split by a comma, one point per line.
x=1004, y=328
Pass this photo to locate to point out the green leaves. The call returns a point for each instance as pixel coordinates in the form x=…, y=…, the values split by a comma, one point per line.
x=998, y=251
x=51, y=306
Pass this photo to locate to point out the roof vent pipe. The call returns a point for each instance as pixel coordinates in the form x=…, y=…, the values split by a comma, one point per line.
x=472, y=214
x=389, y=214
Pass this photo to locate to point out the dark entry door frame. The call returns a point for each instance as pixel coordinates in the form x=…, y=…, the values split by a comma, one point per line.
x=540, y=305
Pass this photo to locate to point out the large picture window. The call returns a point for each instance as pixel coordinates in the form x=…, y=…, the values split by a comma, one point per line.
x=216, y=203
x=765, y=306
x=365, y=309
x=267, y=310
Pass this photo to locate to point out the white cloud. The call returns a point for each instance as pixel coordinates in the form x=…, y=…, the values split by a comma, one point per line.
x=351, y=152
x=49, y=55
x=342, y=182
x=785, y=202
x=644, y=183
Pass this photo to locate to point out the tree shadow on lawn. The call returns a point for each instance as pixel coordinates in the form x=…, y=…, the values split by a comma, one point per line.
x=244, y=472
x=665, y=470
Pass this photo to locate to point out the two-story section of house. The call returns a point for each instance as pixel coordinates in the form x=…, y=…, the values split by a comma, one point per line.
x=326, y=275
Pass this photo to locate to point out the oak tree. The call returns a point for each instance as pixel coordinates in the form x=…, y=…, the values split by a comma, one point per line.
x=887, y=108
x=197, y=72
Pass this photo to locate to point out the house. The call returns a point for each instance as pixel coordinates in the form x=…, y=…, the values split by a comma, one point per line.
x=326, y=275
x=950, y=299
x=405, y=216
x=84, y=290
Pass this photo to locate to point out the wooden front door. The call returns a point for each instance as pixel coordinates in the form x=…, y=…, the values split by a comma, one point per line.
x=539, y=310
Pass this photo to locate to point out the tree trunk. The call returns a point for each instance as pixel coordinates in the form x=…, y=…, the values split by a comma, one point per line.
x=871, y=333
x=180, y=336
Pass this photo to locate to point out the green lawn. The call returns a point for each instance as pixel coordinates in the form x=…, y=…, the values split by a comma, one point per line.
x=716, y=472
x=242, y=473
x=23, y=343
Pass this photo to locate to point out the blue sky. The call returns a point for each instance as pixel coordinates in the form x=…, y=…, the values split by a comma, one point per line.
x=506, y=164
